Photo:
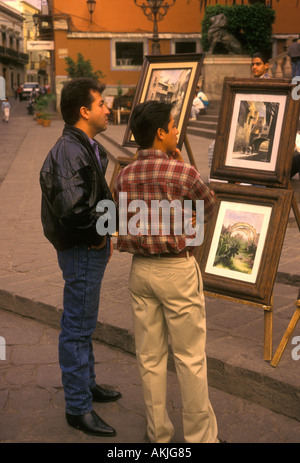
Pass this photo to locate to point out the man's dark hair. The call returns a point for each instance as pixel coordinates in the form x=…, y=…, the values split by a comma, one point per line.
x=75, y=94
x=147, y=118
x=261, y=56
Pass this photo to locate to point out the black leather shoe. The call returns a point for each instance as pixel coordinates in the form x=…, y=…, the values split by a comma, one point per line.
x=91, y=424
x=104, y=395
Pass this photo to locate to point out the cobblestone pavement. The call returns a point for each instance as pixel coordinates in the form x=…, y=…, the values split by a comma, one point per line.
x=253, y=401
x=32, y=402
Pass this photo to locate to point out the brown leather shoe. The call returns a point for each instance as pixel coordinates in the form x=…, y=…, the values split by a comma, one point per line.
x=104, y=395
x=91, y=424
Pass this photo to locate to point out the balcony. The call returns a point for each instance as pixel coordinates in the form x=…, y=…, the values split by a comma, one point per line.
x=45, y=27
x=10, y=56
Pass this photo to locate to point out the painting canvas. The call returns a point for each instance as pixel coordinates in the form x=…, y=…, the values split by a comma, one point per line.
x=243, y=241
x=170, y=86
x=256, y=132
x=239, y=239
x=172, y=79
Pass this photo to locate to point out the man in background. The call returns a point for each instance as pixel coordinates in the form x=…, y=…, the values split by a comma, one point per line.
x=260, y=66
x=294, y=53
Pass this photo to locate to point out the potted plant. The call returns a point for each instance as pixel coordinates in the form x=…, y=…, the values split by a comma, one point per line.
x=46, y=121
x=42, y=105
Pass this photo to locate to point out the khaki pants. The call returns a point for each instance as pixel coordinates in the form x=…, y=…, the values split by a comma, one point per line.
x=167, y=298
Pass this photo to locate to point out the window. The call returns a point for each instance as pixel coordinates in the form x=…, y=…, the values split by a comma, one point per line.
x=185, y=47
x=3, y=39
x=128, y=53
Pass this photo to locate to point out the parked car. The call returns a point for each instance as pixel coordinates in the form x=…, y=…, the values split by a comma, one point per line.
x=28, y=88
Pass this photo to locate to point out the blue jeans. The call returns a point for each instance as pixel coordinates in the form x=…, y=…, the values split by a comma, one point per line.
x=83, y=270
x=296, y=68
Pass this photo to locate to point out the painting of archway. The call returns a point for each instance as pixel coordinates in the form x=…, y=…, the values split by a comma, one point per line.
x=242, y=242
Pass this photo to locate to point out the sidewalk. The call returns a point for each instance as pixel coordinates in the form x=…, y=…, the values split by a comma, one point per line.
x=246, y=390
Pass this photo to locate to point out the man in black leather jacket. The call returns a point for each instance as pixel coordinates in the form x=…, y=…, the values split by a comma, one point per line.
x=73, y=182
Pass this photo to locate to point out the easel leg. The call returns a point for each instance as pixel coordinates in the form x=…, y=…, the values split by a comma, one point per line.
x=295, y=206
x=296, y=211
x=286, y=337
x=189, y=152
x=268, y=334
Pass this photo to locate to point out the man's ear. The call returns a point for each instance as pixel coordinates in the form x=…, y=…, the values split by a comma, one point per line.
x=84, y=112
x=160, y=134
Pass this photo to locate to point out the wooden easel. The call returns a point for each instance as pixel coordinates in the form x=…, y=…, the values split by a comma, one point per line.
x=286, y=337
x=295, y=207
x=294, y=320
x=121, y=162
x=189, y=151
x=268, y=320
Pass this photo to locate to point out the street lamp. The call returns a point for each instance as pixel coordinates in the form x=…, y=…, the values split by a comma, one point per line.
x=35, y=18
x=91, y=4
x=155, y=10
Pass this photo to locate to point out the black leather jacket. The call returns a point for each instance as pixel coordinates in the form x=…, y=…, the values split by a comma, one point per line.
x=72, y=184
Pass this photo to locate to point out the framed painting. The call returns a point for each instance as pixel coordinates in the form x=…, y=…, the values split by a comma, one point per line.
x=243, y=241
x=170, y=78
x=256, y=132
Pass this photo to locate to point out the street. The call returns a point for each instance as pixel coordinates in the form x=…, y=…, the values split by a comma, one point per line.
x=12, y=134
x=253, y=402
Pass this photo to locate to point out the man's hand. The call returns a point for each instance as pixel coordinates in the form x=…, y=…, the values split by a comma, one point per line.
x=176, y=155
x=102, y=245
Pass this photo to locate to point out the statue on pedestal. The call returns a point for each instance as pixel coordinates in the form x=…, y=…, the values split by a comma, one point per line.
x=218, y=33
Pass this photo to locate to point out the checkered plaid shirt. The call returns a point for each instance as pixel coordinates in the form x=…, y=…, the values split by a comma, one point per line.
x=154, y=176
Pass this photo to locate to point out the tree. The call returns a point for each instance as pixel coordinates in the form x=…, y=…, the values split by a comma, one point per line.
x=251, y=25
x=205, y=3
x=83, y=68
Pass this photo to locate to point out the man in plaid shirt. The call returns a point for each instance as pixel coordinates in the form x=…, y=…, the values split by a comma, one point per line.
x=165, y=280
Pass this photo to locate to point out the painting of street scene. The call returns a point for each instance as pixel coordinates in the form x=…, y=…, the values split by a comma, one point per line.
x=238, y=241
x=171, y=79
x=255, y=131
x=170, y=86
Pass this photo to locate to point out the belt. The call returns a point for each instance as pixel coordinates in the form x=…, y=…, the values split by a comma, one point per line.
x=170, y=254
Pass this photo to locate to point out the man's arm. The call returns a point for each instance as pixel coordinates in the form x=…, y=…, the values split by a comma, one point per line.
x=73, y=209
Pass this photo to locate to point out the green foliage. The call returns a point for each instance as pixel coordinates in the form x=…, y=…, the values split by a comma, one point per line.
x=228, y=247
x=251, y=25
x=43, y=101
x=81, y=68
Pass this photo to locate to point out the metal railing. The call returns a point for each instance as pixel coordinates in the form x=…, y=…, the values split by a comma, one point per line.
x=14, y=55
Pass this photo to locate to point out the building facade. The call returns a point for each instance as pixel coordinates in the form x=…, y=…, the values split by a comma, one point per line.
x=38, y=67
x=117, y=35
x=12, y=57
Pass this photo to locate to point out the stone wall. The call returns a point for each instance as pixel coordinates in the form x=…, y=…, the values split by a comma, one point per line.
x=217, y=67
